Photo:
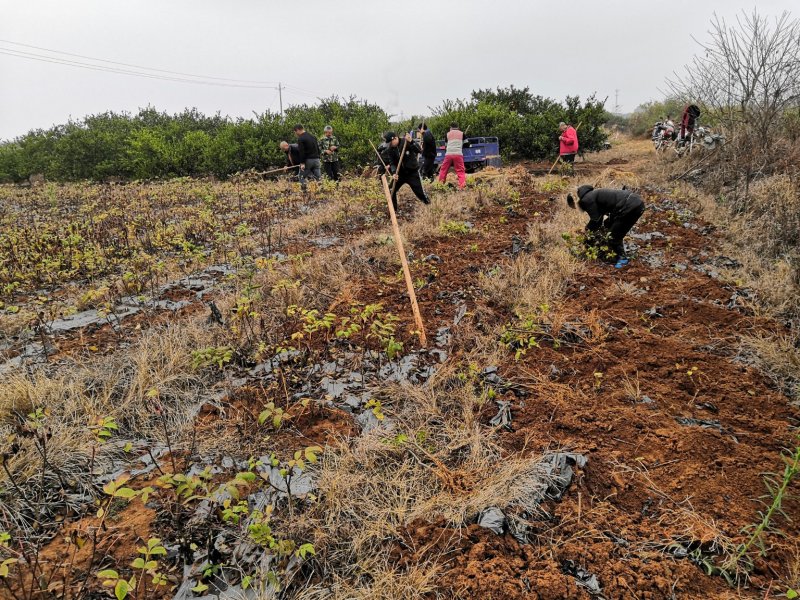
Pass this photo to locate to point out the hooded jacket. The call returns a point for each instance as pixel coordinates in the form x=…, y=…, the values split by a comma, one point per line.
x=409, y=162
x=569, y=141
x=604, y=202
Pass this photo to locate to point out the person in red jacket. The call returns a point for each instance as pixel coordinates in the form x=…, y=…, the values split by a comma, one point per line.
x=568, y=143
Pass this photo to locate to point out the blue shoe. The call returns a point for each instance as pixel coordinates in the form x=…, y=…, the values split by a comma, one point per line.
x=621, y=263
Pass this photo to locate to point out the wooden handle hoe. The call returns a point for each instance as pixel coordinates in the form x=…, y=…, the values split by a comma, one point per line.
x=398, y=240
x=402, y=155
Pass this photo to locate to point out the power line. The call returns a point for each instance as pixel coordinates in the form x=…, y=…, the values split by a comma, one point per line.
x=112, y=62
x=91, y=67
x=304, y=91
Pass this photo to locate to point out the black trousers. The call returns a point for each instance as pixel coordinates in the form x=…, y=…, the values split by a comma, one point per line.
x=621, y=225
x=568, y=158
x=428, y=165
x=414, y=182
x=333, y=170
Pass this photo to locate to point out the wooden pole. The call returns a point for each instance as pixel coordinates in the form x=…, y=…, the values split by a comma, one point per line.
x=380, y=158
x=279, y=170
x=400, y=162
x=554, y=165
x=406, y=271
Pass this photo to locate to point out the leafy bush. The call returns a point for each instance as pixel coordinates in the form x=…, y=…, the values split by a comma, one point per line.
x=153, y=144
x=526, y=125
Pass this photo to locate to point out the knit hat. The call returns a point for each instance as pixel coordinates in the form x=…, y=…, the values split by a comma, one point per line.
x=583, y=190
x=389, y=136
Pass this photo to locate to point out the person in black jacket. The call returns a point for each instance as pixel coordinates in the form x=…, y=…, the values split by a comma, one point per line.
x=615, y=211
x=292, y=155
x=428, y=152
x=404, y=169
x=308, y=146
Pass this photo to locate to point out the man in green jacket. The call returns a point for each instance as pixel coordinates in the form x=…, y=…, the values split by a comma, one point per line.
x=329, y=151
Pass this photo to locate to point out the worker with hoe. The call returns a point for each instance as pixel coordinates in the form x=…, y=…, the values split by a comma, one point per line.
x=610, y=211
x=428, y=151
x=454, y=155
x=568, y=143
x=403, y=165
x=292, y=157
x=308, y=148
x=329, y=149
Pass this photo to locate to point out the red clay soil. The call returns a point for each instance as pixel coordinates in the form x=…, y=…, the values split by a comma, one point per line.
x=235, y=421
x=650, y=480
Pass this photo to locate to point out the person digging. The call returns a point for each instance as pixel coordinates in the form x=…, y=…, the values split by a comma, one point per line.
x=612, y=211
x=403, y=165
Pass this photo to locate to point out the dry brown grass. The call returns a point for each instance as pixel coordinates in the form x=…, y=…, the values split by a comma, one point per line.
x=531, y=280
x=77, y=394
x=434, y=462
x=777, y=356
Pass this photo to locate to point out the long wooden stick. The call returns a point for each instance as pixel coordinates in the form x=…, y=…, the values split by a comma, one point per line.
x=380, y=158
x=278, y=170
x=554, y=164
x=400, y=162
x=559, y=156
x=398, y=240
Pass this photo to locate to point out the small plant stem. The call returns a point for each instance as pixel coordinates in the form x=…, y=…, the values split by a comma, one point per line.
x=169, y=443
x=789, y=471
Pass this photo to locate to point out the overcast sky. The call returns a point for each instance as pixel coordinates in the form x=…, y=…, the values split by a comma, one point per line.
x=404, y=55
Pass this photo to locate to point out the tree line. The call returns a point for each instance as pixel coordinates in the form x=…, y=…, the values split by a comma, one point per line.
x=153, y=144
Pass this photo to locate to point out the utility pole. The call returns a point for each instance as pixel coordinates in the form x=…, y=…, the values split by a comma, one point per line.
x=280, y=97
x=616, y=101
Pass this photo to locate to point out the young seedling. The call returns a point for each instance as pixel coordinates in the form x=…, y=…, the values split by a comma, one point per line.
x=598, y=380
x=777, y=486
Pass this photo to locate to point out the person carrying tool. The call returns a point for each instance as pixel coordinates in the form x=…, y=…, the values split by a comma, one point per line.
x=568, y=143
x=620, y=209
x=403, y=165
x=428, y=151
x=454, y=155
x=292, y=157
x=292, y=154
x=329, y=149
x=308, y=147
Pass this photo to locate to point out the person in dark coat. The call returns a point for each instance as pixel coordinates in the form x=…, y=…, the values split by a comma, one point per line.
x=404, y=168
x=428, y=152
x=615, y=211
x=292, y=154
x=308, y=146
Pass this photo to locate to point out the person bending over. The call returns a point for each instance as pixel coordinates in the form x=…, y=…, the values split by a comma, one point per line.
x=403, y=168
x=615, y=211
x=454, y=155
x=292, y=155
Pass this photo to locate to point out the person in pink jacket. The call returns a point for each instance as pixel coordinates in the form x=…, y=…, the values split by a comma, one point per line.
x=454, y=155
x=568, y=143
